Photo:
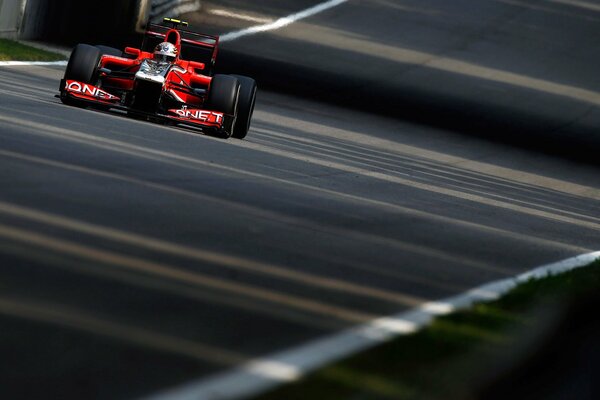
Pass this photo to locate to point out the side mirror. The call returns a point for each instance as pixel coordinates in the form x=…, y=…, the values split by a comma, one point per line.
x=132, y=51
x=196, y=65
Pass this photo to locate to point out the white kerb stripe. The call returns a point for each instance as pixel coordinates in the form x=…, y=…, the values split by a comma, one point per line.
x=262, y=374
x=281, y=22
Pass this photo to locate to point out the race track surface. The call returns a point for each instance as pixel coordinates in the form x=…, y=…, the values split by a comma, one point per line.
x=136, y=257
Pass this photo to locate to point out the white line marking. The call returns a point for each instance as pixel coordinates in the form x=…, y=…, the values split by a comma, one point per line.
x=262, y=374
x=20, y=63
x=242, y=17
x=173, y=8
x=582, y=4
x=281, y=22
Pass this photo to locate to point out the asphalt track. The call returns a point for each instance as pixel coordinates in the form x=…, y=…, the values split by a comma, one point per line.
x=136, y=257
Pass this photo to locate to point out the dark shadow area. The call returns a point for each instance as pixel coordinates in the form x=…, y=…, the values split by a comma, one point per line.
x=47, y=361
x=343, y=62
x=69, y=22
x=516, y=126
x=563, y=366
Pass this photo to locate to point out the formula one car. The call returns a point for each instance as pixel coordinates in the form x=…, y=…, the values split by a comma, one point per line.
x=169, y=79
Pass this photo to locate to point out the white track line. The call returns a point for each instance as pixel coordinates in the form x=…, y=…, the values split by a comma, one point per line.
x=240, y=16
x=281, y=22
x=262, y=374
x=174, y=8
x=20, y=63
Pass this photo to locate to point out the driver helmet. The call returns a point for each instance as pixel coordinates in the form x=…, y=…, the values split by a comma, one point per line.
x=165, y=51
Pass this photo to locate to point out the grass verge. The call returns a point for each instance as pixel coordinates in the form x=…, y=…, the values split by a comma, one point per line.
x=462, y=355
x=11, y=50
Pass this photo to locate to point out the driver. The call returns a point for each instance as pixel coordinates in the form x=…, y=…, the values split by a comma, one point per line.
x=165, y=51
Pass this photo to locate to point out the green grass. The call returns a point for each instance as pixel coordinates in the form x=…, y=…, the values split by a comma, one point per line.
x=15, y=51
x=446, y=359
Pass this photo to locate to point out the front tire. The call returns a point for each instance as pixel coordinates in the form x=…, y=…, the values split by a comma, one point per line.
x=245, y=106
x=83, y=64
x=82, y=67
x=223, y=96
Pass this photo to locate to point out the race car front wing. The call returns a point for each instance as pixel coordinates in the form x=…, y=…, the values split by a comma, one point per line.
x=189, y=116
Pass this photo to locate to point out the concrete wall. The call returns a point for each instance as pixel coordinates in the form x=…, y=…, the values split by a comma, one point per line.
x=112, y=22
x=172, y=8
x=70, y=21
x=11, y=14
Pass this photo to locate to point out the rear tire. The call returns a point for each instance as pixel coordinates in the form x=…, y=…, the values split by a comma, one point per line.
x=245, y=106
x=82, y=67
x=223, y=96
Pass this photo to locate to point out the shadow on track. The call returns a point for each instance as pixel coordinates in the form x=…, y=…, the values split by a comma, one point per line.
x=578, y=139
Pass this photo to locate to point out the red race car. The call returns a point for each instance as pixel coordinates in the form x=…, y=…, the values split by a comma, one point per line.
x=169, y=79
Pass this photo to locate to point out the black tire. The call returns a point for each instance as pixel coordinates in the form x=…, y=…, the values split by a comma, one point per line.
x=82, y=67
x=83, y=64
x=109, y=51
x=223, y=96
x=245, y=106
